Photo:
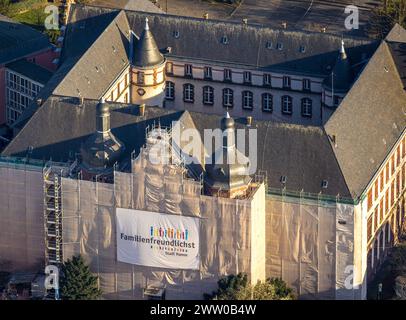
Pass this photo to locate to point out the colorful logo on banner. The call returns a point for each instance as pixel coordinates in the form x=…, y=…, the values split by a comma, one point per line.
x=169, y=233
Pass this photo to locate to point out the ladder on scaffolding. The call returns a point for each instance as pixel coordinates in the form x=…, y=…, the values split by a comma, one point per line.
x=52, y=220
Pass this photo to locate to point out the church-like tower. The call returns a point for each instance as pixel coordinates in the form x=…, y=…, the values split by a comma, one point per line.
x=147, y=69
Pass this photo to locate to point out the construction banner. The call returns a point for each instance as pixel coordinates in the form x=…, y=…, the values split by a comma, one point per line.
x=157, y=240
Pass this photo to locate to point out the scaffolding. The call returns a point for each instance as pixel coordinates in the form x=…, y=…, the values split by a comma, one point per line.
x=52, y=175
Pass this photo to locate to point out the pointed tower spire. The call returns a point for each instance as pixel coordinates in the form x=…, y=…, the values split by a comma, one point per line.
x=343, y=54
x=146, y=52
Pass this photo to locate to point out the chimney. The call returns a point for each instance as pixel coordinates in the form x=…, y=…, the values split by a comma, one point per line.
x=142, y=109
x=249, y=121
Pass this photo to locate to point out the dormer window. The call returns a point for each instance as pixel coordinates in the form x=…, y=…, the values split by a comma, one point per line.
x=176, y=34
x=302, y=49
x=208, y=73
x=279, y=46
x=224, y=40
x=283, y=179
x=324, y=184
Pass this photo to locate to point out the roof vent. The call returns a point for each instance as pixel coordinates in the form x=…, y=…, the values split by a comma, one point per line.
x=323, y=30
x=168, y=49
x=39, y=102
x=114, y=49
x=249, y=121
x=224, y=40
x=206, y=16
x=245, y=21
x=284, y=25
x=386, y=69
x=283, y=179
x=324, y=184
x=176, y=34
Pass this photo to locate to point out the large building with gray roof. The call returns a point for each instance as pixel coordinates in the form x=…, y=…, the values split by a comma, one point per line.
x=328, y=115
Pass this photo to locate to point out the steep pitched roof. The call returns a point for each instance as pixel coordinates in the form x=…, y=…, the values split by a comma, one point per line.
x=18, y=40
x=368, y=121
x=301, y=153
x=106, y=58
x=397, y=34
x=61, y=125
x=146, y=52
x=249, y=45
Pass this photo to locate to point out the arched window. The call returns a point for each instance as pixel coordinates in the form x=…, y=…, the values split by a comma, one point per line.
x=228, y=98
x=170, y=90
x=287, y=105
x=188, y=92
x=307, y=107
x=208, y=95
x=267, y=102
x=247, y=100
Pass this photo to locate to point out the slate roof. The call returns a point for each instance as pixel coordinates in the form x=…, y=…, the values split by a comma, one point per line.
x=68, y=125
x=30, y=70
x=369, y=121
x=142, y=5
x=93, y=31
x=247, y=44
x=146, y=52
x=61, y=125
x=301, y=153
x=18, y=40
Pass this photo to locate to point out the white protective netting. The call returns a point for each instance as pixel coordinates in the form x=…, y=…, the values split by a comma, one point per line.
x=225, y=230
x=21, y=216
x=310, y=245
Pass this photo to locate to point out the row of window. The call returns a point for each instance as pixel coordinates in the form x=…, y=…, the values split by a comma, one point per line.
x=21, y=84
x=247, y=76
x=385, y=175
x=247, y=98
x=386, y=236
x=16, y=103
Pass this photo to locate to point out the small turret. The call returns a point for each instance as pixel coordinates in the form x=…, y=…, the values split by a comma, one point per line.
x=148, y=69
x=102, y=149
x=340, y=80
x=227, y=174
